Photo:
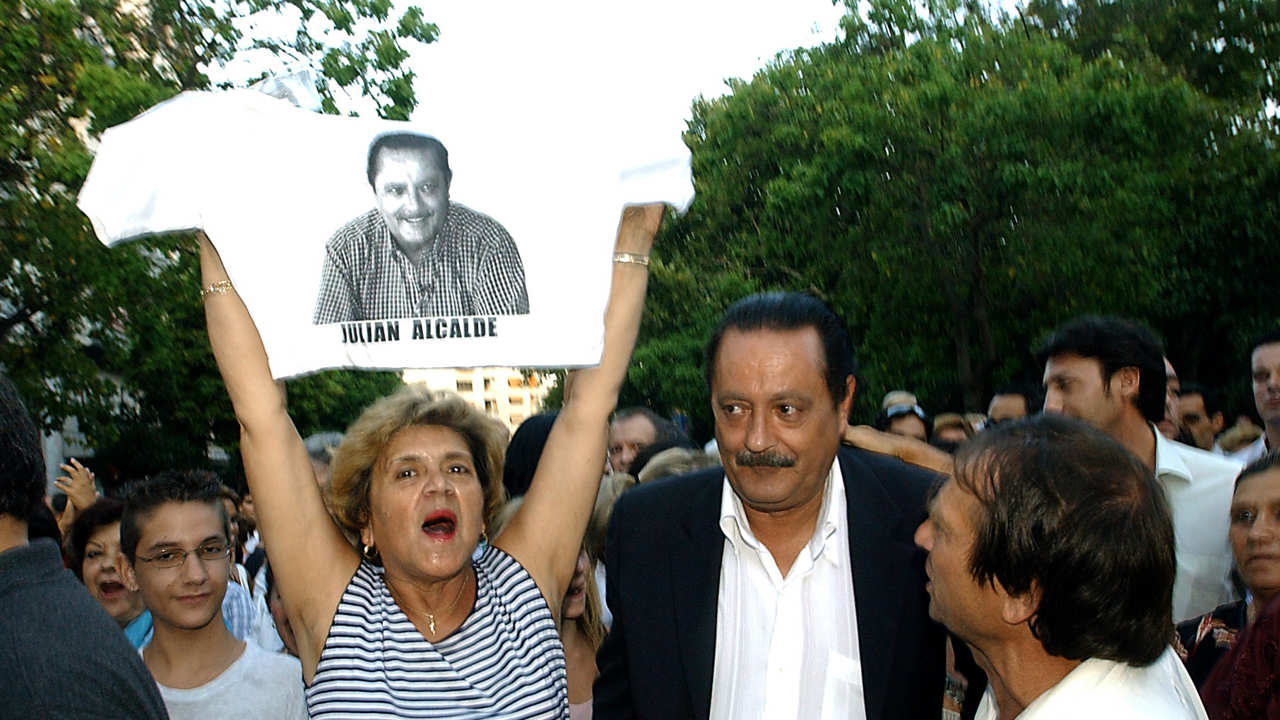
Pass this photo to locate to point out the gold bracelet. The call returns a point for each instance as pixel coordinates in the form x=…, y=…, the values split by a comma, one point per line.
x=626, y=257
x=221, y=287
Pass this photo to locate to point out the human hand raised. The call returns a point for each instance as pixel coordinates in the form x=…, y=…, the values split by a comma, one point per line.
x=638, y=227
x=77, y=484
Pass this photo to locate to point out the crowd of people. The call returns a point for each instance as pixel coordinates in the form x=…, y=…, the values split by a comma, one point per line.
x=1097, y=545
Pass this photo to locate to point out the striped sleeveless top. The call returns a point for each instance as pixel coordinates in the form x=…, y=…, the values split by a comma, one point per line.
x=505, y=661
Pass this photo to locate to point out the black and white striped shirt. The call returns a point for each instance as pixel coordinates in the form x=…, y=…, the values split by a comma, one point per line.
x=473, y=268
x=505, y=661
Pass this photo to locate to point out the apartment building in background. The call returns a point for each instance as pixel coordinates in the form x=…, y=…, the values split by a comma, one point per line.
x=507, y=394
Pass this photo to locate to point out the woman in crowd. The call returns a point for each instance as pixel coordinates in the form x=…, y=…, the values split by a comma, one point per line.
x=1226, y=650
x=410, y=625
x=94, y=546
x=581, y=626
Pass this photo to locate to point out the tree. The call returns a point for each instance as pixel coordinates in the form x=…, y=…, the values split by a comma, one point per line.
x=114, y=339
x=955, y=185
x=1227, y=49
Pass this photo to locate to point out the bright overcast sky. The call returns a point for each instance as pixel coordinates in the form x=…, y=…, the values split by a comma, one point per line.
x=632, y=66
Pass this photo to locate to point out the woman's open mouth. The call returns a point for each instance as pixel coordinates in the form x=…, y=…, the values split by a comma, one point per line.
x=440, y=525
x=110, y=589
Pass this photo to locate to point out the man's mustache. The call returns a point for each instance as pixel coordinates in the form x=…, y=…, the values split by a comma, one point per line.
x=768, y=458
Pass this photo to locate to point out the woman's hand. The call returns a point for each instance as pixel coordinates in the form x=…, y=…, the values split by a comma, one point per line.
x=77, y=484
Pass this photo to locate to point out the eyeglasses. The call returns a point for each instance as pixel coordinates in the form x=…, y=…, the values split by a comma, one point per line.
x=209, y=552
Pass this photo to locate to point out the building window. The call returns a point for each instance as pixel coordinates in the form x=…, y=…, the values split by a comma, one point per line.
x=488, y=383
x=464, y=386
x=517, y=419
x=515, y=381
x=490, y=407
x=515, y=400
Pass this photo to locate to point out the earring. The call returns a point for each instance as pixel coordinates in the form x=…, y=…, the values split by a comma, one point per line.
x=369, y=553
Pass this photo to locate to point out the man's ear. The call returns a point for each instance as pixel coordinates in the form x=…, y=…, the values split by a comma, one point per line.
x=1217, y=422
x=1126, y=382
x=1019, y=609
x=125, y=569
x=846, y=404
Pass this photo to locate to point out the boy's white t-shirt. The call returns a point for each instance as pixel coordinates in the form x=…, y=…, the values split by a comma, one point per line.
x=257, y=684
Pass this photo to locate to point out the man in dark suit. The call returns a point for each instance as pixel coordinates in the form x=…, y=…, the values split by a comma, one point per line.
x=786, y=585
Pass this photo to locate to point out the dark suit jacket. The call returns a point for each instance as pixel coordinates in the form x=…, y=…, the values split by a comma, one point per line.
x=663, y=561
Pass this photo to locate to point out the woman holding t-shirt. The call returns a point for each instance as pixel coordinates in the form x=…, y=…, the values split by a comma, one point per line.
x=405, y=623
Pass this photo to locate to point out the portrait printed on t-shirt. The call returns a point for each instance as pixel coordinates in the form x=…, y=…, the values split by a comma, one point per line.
x=416, y=253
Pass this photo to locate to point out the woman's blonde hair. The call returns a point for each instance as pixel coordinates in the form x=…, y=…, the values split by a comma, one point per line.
x=412, y=405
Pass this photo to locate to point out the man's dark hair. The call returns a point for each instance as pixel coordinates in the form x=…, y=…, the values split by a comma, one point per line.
x=104, y=511
x=407, y=141
x=663, y=429
x=21, y=457
x=1268, y=338
x=1212, y=400
x=143, y=497
x=1067, y=511
x=1115, y=343
x=790, y=311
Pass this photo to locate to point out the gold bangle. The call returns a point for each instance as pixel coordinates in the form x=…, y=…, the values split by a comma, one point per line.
x=221, y=287
x=626, y=257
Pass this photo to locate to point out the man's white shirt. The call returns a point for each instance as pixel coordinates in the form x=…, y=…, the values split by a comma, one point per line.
x=1100, y=689
x=787, y=647
x=1198, y=486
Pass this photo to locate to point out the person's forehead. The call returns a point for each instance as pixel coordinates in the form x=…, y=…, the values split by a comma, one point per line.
x=955, y=506
x=760, y=351
x=1191, y=401
x=424, y=441
x=415, y=159
x=1258, y=486
x=106, y=533
x=1004, y=399
x=1267, y=355
x=180, y=523
x=1072, y=365
x=632, y=426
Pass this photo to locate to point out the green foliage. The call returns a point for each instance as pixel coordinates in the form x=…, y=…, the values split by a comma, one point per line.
x=332, y=400
x=115, y=338
x=956, y=185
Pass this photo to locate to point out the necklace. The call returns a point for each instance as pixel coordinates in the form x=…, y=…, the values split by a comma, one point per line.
x=431, y=616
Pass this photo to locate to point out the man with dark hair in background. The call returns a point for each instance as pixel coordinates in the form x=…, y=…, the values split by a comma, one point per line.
x=175, y=549
x=1013, y=401
x=1051, y=554
x=1111, y=374
x=634, y=429
x=1264, y=368
x=786, y=584
x=62, y=655
x=1200, y=410
x=417, y=253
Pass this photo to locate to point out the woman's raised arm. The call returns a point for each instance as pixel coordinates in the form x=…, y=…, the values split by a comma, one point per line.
x=310, y=558
x=546, y=532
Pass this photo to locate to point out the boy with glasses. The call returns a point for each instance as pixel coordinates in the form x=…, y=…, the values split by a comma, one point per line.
x=175, y=550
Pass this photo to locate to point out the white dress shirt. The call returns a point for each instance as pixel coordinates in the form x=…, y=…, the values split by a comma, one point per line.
x=1198, y=486
x=787, y=647
x=1100, y=689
